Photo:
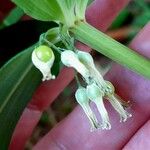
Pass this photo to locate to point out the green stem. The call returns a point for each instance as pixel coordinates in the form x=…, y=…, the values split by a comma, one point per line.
x=111, y=48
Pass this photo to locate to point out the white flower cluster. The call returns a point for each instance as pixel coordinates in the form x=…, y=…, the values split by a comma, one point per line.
x=97, y=89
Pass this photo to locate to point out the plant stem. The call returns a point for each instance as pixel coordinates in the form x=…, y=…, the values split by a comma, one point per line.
x=111, y=48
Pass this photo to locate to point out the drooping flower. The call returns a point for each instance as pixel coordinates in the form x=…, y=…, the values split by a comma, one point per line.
x=111, y=96
x=105, y=86
x=84, y=102
x=97, y=89
x=43, y=59
x=95, y=94
x=70, y=59
x=88, y=61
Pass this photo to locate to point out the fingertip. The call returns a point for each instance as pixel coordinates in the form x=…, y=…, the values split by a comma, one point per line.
x=24, y=129
x=140, y=140
x=141, y=42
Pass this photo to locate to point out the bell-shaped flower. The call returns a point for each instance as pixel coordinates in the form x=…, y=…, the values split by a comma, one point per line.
x=95, y=94
x=43, y=59
x=113, y=99
x=88, y=61
x=84, y=102
x=70, y=59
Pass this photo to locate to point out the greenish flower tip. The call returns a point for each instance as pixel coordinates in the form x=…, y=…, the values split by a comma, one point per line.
x=44, y=53
x=96, y=90
x=83, y=100
x=43, y=59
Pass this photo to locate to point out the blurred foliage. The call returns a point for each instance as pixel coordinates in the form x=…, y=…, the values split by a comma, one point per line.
x=134, y=17
x=137, y=14
x=13, y=17
x=141, y=12
x=121, y=18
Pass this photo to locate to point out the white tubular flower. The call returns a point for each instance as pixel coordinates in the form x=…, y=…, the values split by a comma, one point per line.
x=84, y=102
x=88, y=61
x=96, y=95
x=109, y=94
x=99, y=89
x=43, y=59
x=124, y=115
x=70, y=59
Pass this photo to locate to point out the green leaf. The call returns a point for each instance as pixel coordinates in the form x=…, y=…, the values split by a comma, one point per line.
x=142, y=19
x=54, y=10
x=90, y=1
x=18, y=81
x=14, y=16
x=121, y=18
x=49, y=10
x=80, y=8
x=67, y=7
x=45, y=10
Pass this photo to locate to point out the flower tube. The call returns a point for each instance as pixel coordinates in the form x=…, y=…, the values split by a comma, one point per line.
x=43, y=59
x=88, y=61
x=96, y=95
x=84, y=102
x=70, y=59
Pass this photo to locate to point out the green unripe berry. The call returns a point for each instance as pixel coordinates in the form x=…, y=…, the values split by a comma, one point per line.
x=44, y=53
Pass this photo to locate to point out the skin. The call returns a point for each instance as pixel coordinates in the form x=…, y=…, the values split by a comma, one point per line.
x=74, y=131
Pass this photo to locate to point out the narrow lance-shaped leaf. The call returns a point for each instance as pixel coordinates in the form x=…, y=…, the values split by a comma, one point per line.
x=67, y=7
x=13, y=16
x=47, y=10
x=90, y=1
x=64, y=11
x=18, y=81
